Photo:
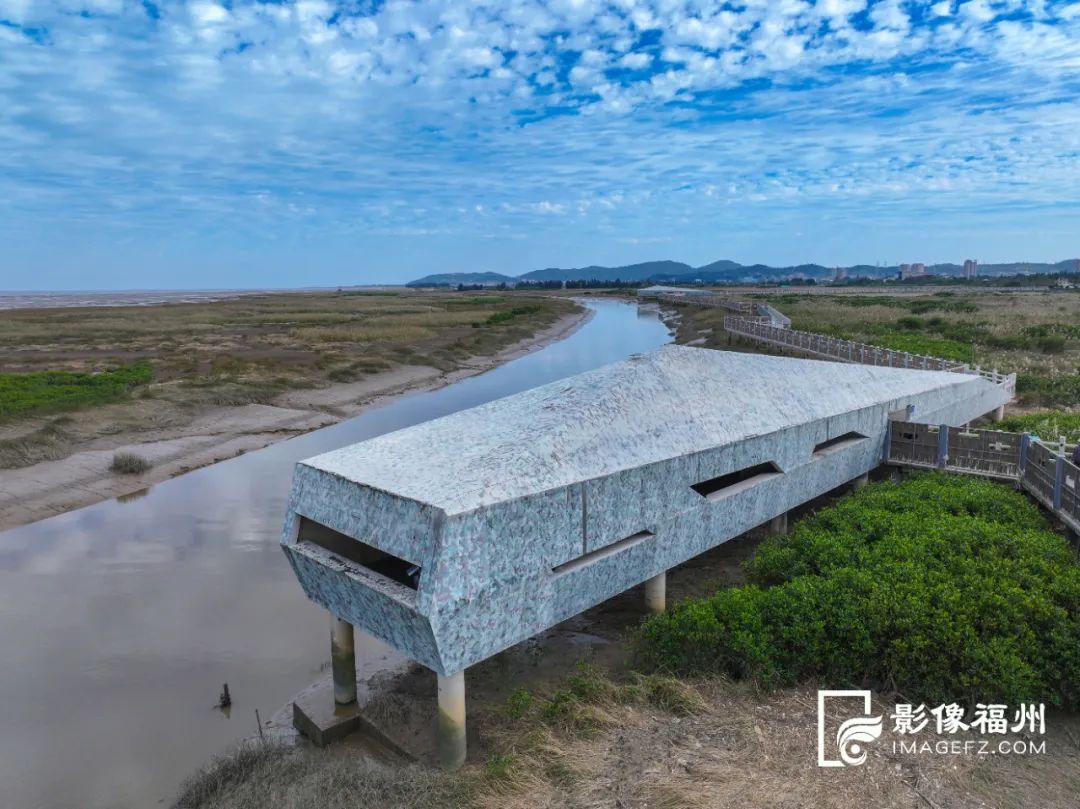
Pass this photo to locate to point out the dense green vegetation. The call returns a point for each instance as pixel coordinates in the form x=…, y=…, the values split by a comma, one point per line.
x=1048, y=425
x=52, y=391
x=943, y=588
x=510, y=314
x=939, y=336
x=1049, y=389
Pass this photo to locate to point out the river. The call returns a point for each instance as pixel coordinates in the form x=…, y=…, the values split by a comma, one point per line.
x=120, y=622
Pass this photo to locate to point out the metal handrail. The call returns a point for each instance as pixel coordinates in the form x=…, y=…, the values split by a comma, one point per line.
x=850, y=351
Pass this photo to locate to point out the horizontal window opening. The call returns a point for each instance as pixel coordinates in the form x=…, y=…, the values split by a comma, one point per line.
x=840, y=442
x=602, y=553
x=735, y=482
x=360, y=553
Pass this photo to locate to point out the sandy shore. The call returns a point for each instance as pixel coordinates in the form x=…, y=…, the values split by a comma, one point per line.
x=45, y=489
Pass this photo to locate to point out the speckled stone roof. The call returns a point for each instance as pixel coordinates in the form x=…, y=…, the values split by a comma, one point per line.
x=648, y=408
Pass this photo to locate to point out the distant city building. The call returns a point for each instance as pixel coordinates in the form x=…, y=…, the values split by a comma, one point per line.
x=839, y=273
x=971, y=268
x=916, y=270
x=1076, y=266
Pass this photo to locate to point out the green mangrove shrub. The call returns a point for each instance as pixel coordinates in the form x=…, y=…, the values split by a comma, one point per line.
x=943, y=588
x=53, y=391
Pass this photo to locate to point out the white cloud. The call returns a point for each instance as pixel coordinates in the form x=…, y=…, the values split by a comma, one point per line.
x=635, y=61
x=489, y=108
x=209, y=13
x=977, y=10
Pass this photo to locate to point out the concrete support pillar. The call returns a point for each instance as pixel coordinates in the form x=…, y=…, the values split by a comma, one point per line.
x=656, y=593
x=999, y=414
x=450, y=741
x=860, y=481
x=778, y=525
x=343, y=661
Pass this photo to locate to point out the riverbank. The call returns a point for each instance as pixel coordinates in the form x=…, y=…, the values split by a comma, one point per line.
x=562, y=721
x=175, y=446
x=710, y=744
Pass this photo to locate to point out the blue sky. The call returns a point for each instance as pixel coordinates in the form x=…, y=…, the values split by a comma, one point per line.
x=216, y=143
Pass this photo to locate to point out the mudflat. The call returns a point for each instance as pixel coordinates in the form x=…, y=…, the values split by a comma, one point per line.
x=215, y=379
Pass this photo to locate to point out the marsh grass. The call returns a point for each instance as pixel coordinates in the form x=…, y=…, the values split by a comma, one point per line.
x=45, y=443
x=241, y=351
x=128, y=463
x=261, y=775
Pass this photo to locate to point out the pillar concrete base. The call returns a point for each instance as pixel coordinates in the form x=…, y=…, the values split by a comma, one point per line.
x=859, y=482
x=778, y=525
x=320, y=720
x=450, y=742
x=999, y=414
x=656, y=593
x=343, y=661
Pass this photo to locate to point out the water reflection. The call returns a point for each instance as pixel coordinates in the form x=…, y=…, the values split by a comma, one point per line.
x=119, y=622
x=130, y=497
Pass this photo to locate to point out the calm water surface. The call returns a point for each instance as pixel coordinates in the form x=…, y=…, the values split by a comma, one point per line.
x=119, y=622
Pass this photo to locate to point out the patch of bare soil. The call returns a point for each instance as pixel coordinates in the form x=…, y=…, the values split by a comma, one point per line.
x=741, y=749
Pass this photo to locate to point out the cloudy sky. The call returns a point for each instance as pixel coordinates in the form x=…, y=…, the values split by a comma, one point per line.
x=216, y=143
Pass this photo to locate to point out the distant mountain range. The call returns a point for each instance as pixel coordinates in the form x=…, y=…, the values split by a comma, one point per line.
x=722, y=271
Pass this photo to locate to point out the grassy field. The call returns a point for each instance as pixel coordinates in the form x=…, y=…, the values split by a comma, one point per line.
x=1035, y=334
x=178, y=360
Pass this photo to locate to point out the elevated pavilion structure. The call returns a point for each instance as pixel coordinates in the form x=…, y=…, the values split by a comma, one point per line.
x=457, y=538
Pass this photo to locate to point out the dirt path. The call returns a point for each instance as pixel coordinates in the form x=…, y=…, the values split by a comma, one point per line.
x=45, y=489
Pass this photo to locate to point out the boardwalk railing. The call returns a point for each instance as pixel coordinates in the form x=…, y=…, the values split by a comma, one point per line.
x=1043, y=471
x=775, y=316
x=833, y=348
x=766, y=324
x=731, y=304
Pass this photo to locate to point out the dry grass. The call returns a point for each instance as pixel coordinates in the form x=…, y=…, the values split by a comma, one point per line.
x=128, y=463
x=262, y=775
x=649, y=742
x=728, y=747
x=47, y=442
